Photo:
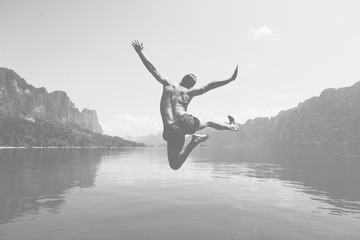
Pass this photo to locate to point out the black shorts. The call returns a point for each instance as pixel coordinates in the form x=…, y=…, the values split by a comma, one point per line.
x=187, y=124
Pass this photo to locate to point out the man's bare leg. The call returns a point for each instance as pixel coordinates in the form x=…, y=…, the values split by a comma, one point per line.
x=220, y=126
x=178, y=156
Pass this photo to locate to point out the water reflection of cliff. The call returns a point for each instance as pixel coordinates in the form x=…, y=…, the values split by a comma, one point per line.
x=37, y=179
x=330, y=177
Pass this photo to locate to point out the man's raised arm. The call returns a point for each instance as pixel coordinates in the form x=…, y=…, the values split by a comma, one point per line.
x=212, y=85
x=139, y=48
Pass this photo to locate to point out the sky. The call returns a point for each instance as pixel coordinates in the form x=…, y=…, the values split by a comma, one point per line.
x=287, y=51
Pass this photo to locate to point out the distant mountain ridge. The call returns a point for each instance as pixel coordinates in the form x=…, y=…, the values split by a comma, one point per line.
x=21, y=100
x=329, y=120
x=154, y=140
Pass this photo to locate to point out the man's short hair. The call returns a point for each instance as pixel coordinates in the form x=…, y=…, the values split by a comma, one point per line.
x=188, y=81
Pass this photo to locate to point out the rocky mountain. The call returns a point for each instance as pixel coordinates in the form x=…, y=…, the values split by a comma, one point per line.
x=33, y=117
x=329, y=120
x=21, y=100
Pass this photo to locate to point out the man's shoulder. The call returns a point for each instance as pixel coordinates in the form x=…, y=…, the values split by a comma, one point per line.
x=173, y=86
x=169, y=86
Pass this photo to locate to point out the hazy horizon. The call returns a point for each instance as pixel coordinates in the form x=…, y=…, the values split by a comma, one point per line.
x=287, y=52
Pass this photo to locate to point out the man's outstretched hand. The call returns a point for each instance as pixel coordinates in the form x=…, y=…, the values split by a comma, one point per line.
x=233, y=77
x=137, y=46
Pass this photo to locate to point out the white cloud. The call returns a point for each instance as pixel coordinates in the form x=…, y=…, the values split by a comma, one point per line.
x=263, y=32
x=127, y=124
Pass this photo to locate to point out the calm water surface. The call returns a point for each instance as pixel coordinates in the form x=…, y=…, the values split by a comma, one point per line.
x=133, y=194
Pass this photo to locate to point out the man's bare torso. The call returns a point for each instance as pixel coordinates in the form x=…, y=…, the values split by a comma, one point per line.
x=174, y=102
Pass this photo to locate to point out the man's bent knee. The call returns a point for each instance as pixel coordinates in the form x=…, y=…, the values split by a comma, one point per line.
x=175, y=166
x=174, y=159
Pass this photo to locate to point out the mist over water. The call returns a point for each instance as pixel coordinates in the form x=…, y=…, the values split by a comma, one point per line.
x=217, y=194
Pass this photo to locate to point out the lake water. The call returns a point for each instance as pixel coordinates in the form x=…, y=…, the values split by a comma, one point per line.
x=217, y=194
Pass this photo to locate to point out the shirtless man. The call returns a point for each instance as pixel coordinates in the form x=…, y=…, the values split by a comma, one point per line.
x=173, y=106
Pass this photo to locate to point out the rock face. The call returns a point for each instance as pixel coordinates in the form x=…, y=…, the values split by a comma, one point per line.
x=329, y=120
x=90, y=120
x=21, y=100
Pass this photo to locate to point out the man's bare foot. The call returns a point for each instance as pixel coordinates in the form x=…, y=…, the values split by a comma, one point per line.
x=199, y=138
x=233, y=124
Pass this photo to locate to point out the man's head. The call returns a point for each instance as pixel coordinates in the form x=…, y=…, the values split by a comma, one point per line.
x=188, y=81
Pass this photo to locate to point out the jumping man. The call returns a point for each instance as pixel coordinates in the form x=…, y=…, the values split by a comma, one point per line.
x=173, y=106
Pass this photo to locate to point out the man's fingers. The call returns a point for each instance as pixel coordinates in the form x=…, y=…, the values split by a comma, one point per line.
x=137, y=45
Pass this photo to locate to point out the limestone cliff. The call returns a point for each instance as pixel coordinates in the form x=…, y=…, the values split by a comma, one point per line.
x=19, y=99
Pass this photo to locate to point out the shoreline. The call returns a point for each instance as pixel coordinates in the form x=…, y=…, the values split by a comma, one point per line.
x=74, y=147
